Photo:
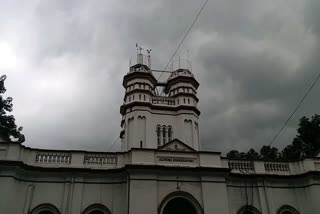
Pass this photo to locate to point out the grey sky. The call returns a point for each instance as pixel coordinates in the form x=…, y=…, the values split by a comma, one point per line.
x=65, y=61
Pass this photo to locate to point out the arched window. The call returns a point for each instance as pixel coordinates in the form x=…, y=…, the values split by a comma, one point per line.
x=248, y=209
x=169, y=133
x=45, y=209
x=96, y=209
x=164, y=134
x=158, y=135
x=287, y=209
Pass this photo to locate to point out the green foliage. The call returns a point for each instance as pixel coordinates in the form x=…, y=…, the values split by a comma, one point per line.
x=306, y=143
x=8, y=128
x=269, y=153
x=252, y=155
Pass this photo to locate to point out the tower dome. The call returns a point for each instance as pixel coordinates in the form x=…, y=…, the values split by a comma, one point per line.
x=180, y=72
x=151, y=120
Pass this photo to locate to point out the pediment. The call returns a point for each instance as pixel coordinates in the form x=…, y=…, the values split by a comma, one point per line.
x=176, y=145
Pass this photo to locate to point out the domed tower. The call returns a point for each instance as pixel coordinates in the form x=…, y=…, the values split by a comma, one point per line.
x=182, y=86
x=150, y=120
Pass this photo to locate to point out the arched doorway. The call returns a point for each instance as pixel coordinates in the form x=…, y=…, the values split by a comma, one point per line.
x=45, y=209
x=96, y=209
x=248, y=209
x=179, y=205
x=179, y=202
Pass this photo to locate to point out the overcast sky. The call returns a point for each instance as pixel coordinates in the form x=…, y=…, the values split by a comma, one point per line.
x=65, y=61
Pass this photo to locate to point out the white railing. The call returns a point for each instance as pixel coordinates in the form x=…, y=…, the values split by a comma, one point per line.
x=276, y=167
x=242, y=166
x=100, y=159
x=163, y=101
x=53, y=157
x=317, y=165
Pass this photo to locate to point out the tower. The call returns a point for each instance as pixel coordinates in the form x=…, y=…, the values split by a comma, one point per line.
x=150, y=120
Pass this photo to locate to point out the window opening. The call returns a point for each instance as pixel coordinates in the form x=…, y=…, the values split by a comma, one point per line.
x=158, y=135
x=169, y=134
x=164, y=135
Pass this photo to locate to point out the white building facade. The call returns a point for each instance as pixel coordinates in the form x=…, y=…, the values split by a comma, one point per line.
x=161, y=168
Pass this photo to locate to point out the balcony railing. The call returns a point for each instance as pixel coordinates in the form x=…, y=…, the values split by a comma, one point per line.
x=53, y=158
x=276, y=167
x=241, y=166
x=103, y=159
x=163, y=101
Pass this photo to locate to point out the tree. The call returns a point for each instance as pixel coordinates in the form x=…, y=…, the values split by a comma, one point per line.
x=307, y=142
x=252, y=155
x=269, y=153
x=8, y=128
x=235, y=154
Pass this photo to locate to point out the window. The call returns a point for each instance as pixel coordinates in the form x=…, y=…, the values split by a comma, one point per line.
x=164, y=135
x=129, y=99
x=144, y=97
x=140, y=143
x=132, y=97
x=158, y=135
x=184, y=100
x=188, y=100
x=169, y=133
x=139, y=96
x=178, y=101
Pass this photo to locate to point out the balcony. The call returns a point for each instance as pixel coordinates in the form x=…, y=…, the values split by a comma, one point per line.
x=165, y=101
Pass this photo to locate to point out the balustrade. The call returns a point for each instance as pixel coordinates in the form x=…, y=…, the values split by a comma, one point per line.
x=100, y=159
x=163, y=101
x=53, y=158
x=276, y=167
x=241, y=165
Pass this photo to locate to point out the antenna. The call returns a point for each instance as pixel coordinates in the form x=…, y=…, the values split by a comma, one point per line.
x=149, y=57
x=139, y=49
x=139, y=54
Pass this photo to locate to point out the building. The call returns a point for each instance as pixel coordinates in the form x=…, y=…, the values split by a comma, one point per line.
x=161, y=168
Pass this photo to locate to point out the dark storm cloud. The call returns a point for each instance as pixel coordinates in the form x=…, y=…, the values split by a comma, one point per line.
x=254, y=60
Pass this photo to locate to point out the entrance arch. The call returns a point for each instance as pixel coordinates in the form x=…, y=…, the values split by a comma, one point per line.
x=179, y=202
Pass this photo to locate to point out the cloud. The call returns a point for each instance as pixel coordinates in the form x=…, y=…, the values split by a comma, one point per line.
x=254, y=61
